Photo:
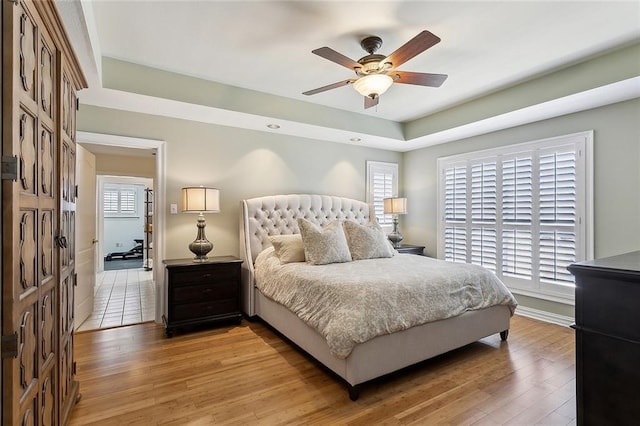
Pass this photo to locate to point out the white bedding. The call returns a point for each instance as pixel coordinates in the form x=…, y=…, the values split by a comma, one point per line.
x=350, y=303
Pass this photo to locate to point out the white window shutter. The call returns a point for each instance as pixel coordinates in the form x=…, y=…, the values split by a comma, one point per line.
x=127, y=201
x=521, y=211
x=455, y=199
x=110, y=201
x=382, y=182
x=456, y=244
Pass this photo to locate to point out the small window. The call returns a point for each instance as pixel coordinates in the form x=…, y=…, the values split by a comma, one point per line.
x=120, y=200
x=382, y=182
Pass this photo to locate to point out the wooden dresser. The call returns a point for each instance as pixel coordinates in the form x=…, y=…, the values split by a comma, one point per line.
x=202, y=292
x=40, y=77
x=608, y=340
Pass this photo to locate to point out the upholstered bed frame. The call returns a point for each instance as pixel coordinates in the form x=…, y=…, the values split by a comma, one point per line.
x=276, y=215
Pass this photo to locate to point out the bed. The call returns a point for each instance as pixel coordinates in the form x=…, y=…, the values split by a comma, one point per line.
x=264, y=217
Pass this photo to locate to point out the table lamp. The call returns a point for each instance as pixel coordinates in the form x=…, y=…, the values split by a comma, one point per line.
x=199, y=199
x=395, y=206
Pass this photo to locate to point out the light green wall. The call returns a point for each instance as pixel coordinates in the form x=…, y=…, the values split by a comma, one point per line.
x=241, y=163
x=616, y=179
x=135, y=78
x=608, y=68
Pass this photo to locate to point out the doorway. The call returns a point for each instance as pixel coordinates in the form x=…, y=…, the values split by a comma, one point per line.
x=124, y=288
x=125, y=296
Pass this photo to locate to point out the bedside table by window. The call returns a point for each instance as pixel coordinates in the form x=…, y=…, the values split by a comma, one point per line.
x=407, y=248
x=202, y=292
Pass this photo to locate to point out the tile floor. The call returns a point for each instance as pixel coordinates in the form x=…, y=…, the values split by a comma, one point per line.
x=122, y=297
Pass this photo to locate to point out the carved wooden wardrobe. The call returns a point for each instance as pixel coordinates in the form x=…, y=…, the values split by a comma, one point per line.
x=40, y=77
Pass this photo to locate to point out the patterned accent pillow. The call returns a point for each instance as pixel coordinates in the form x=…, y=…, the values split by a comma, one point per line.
x=326, y=245
x=367, y=241
x=288, y=248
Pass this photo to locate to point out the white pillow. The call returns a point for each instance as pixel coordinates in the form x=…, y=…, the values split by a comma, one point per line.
x=288, y=248
x=326, y=245
x=367, y=241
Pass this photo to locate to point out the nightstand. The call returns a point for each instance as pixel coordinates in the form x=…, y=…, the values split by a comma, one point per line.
x=407, y=248
x=202, y=292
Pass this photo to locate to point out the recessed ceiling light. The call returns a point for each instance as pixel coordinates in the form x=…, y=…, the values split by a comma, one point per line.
x=355, y=139
x=273, y=126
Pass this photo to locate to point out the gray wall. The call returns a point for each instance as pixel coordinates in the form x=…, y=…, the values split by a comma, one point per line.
x=616, y=175
x=241, y=163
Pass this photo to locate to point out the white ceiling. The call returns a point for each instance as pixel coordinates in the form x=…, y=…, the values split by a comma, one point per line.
x=266, y=45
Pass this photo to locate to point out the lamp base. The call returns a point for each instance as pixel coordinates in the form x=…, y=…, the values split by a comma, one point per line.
x=201, y=246
x=395, y=236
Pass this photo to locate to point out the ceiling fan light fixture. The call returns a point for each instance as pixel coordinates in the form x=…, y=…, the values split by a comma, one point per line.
x=373, y=85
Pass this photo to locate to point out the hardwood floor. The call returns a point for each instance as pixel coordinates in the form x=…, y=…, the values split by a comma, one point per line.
x=249, y=375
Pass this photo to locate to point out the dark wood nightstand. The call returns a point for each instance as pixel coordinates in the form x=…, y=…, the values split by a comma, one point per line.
x=202, y=292
x=410, y=249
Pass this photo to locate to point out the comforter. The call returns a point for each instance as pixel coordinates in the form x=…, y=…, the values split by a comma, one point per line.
x=350, y=303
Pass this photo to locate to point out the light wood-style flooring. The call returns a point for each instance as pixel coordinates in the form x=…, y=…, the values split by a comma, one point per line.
x=248, y=374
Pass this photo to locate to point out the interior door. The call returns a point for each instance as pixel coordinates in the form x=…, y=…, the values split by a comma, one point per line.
x=30, y=220
x=85, y=234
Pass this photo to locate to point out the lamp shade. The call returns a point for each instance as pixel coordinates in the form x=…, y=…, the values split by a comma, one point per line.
x=373, y=85
x=395, y=205
x=198, y=199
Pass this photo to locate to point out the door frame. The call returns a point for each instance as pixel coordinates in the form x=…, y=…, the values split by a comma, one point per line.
x=159, y=193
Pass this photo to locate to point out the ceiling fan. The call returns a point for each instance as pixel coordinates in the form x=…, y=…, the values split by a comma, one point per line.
x=376, y=73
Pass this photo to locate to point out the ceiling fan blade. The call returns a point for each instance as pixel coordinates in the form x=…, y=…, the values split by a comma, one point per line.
x=327, y=87
x=338, y=58
x=419, y=78
x=413, y=47
x=368, y=102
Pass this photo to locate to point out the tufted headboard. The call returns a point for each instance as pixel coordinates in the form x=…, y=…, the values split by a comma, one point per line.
x=278, y=214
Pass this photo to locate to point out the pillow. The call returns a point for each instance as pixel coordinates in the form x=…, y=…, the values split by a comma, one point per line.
x=367, y=241
x=288, y=248
x=323, y=246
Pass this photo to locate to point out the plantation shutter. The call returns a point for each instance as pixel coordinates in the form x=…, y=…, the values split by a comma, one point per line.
x=382, y=183
x=557, y=215
x=483, y=214
x=455, y=208
x=119, y=200
x=110, y=201
x=127, y=201
x=518, y=211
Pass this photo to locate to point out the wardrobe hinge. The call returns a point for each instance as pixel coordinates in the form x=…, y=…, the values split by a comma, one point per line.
x=75, y=279
x=9, y=167
x=10, y=346
x=76, y=194
x=77, y=104
x=74, y=367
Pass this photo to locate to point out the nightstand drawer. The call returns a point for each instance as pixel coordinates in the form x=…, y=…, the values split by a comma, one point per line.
x=197, y=293
x=204, y=309
x=185, y=276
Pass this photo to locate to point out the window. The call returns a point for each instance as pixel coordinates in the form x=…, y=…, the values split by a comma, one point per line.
x=382, y=182
x=119, y=200
x=522, y=211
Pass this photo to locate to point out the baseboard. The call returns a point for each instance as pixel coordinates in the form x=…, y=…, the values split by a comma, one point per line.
x=544, y=316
